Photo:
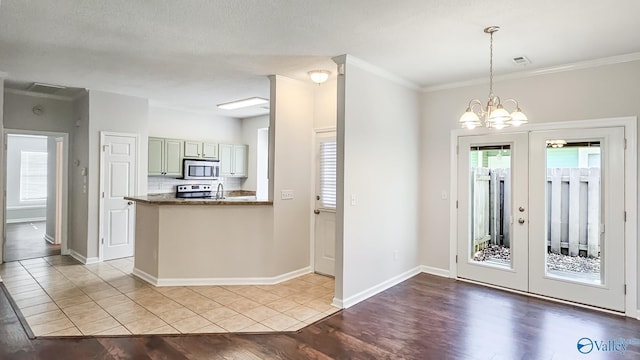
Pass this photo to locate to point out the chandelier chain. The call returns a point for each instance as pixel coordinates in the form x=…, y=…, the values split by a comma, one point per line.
x=491, y=66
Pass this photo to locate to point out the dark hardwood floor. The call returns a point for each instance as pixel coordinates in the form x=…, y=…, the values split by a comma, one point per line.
x=26, y=241
x=425, y=317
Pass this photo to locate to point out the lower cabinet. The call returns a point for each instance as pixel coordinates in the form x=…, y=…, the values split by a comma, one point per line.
x=233, y=160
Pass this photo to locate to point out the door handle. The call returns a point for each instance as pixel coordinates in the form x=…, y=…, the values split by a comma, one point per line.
x=316, y=211
x=130, y=203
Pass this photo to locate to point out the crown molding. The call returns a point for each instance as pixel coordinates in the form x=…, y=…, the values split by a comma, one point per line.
x=352, y=60
x=612, y=60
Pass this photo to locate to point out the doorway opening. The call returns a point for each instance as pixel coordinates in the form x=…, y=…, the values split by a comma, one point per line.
x=36, y=195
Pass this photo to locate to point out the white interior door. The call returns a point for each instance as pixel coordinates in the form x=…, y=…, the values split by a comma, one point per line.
x=576, y=240
x=492, y=209
x=118, y=179
x=325, y=211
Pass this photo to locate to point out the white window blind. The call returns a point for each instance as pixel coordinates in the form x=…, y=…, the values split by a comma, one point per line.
x=33, y=175
x=328, y=151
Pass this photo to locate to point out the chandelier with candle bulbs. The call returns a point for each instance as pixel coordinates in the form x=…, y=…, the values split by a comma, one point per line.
x=493, y=115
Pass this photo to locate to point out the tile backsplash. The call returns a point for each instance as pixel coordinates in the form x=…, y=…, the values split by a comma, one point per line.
x=164, y=184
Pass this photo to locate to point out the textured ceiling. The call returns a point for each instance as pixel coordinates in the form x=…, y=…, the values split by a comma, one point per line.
x=196, y=54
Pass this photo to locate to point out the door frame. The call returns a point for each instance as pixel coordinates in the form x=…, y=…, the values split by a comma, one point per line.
x=314, y=174
x=64, y=243
x=136, y=186
x=630, y=195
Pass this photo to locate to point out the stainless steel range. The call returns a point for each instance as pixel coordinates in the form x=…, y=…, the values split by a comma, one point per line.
x=194, y=191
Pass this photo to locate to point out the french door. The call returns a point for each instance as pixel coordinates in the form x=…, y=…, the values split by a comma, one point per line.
x=533, y=208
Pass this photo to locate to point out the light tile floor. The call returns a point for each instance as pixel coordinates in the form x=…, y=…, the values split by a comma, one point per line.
x=60, y=297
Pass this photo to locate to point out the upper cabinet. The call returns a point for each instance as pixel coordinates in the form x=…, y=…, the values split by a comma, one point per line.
x=192, y=149
x=233, y=160
x=210, y=151
x=200, y=150
x=165, y=156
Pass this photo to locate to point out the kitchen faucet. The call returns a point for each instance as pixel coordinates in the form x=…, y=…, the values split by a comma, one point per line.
x=220, y=192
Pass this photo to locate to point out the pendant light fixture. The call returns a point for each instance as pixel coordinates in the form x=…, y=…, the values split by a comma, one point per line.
x=493, y=114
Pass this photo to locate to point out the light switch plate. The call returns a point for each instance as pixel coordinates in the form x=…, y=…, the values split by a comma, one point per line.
x=287, y=194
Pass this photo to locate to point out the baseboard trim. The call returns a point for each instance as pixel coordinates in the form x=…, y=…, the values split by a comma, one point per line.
x=87, y=261
x=365, y=294
x=435, y=271
x=220, y=281
x=337, y=303
x=144, y=276
x=50, y=239
x=638, y=314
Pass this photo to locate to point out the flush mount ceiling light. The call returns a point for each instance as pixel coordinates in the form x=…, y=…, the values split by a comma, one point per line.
x=238, y=104
x=319, y=76
x=494, y=115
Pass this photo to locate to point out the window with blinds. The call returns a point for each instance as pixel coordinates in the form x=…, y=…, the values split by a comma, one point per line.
x=33, y=175
x=328, y=159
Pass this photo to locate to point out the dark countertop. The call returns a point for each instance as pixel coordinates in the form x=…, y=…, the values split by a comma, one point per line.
x=170, y=199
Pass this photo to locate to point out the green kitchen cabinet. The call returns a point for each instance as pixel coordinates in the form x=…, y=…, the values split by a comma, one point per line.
x=233, y=160
x=165, y=156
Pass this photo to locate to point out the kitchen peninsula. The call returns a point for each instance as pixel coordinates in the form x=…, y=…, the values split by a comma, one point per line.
x=203, y=241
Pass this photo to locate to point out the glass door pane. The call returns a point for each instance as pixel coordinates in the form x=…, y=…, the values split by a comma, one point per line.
x=492, y=209
x=576, y=232
x=573, y=210
x=490, y=190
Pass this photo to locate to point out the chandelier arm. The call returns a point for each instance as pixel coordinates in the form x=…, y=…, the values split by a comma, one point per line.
x=479, y=109
x=515, y=102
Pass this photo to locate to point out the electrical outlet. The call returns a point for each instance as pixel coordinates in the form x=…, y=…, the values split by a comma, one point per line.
x=354, y=200
x=287, y=194
x=395, y=255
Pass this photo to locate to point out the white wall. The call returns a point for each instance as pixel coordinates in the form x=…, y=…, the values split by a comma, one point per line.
x=601, y=92
x=2, y=76
x=114, y=113
x=178, y=124
x=325, y=109
x=18, y=210
x=78, y=183
x=50, y=230
x=57, y=115
x=378, y=149
x=250, y=128
x=291, y=134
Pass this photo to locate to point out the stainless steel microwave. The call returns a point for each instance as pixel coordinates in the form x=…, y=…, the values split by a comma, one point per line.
x=200, y=169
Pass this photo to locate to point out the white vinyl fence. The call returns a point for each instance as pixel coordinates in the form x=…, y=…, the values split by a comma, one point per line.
x=573, y=209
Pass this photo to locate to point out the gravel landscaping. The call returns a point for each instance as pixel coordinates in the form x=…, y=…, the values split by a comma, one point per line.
x=556, y=262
